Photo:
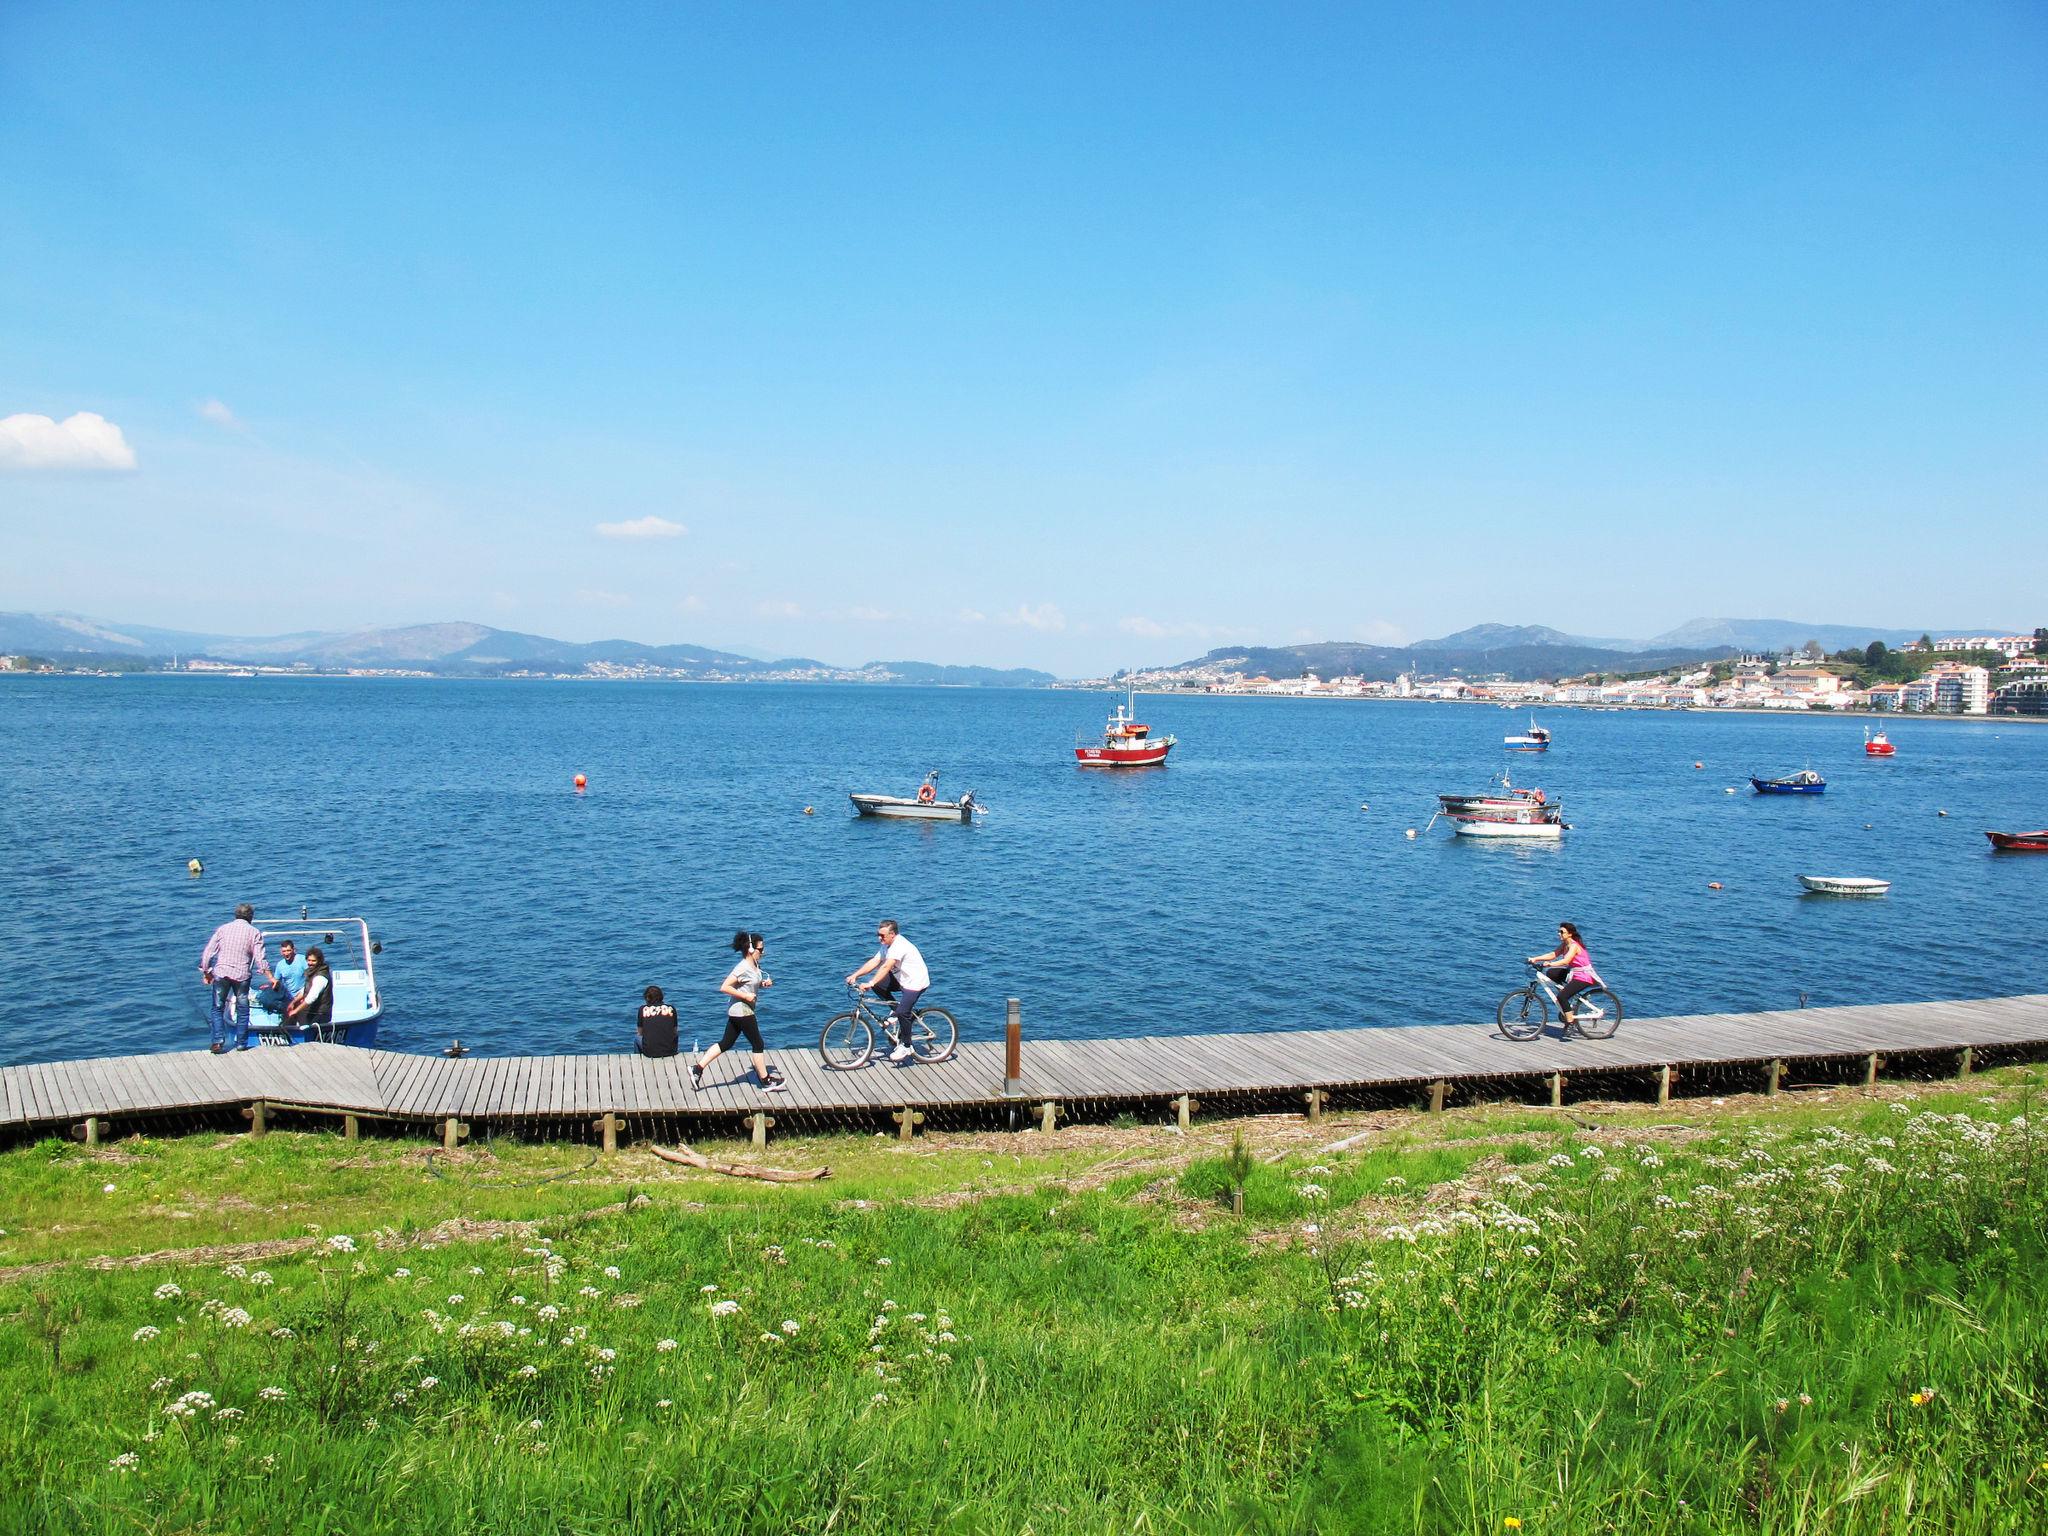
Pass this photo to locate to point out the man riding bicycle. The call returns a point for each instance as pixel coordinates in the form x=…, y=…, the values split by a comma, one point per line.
x=899, y=977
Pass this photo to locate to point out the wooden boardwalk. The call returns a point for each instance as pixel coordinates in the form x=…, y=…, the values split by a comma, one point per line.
x=554, y=1094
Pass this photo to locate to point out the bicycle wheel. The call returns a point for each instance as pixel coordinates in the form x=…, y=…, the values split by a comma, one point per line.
x=1596, y=1013
x=932, y=1034
x=1522, y=1014
x=848, y=1042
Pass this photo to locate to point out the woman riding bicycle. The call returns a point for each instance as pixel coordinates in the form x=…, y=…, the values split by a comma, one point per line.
x=1569, y=966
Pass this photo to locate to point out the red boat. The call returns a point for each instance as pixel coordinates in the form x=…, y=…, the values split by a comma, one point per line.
x=1878, y=745
x=1126, y=743
x=2019, y=842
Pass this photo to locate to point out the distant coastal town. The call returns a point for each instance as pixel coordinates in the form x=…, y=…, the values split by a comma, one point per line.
x=2001, y=674
x=1947, y=675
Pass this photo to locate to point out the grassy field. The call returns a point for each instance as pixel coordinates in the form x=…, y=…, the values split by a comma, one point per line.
x=1816, y=1313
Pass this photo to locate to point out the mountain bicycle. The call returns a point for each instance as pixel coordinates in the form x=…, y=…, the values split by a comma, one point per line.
x=1524, y=1012
x=848, y=1041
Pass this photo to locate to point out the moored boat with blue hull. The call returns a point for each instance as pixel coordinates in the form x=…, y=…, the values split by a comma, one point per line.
x=1804, y=782
x=350, y=952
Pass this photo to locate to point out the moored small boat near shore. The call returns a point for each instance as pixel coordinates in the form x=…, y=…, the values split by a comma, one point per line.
x=1877, y=744
x=925, y=805
x=1804, y=782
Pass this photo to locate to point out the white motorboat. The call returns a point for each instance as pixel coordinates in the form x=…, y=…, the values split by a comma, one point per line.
x=1537, y=740
x=1476, y=827
x=1844, y=885
x=925, y=805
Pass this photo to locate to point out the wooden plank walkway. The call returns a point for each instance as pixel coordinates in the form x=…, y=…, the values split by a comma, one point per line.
x=511, y=1091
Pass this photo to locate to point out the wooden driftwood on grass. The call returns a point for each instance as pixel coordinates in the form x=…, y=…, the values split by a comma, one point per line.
x=691, y=1159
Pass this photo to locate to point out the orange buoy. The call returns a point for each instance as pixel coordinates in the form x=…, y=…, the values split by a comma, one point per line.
x=1699, y=765
x=580, y=783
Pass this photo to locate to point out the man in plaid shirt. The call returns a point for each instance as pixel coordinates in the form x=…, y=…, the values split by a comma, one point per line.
x=225, y=964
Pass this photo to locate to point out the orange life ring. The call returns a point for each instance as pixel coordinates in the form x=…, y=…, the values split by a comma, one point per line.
x=926, y=794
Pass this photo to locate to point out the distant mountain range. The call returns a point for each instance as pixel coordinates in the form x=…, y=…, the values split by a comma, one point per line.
x=478, y=650
x=459, y=649
x=1528, y=651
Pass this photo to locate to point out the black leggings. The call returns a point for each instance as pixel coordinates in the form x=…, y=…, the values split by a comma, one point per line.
x=1567, y=989
x=737, y=1024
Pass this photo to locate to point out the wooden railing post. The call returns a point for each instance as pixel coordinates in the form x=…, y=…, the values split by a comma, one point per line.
x=351, y=1129
x=1664, y=1075
x=608, y=1125
x=762, y=1122
x=1048, y=1115
x=1871, y=1064
x=1557, y=1090
x=255, y=1114
x=1436, y=1096
x=1316, y=1099
x=907, y=1121
x=1183, y=1108
x=452, y=1132
x=1013, y=1048
x=1777, y=1075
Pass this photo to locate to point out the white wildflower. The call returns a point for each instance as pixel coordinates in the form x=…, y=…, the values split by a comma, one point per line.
x=341, y=1242
x=167, y=1292
x=145, y=1333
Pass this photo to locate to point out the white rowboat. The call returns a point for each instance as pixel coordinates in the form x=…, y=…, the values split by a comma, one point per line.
x=1844, y=885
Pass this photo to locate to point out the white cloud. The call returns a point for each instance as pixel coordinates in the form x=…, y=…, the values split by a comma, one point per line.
x=772, y=610
x=595, y=598
x=217, y=412
x=971, y=616
x=84, y=441
x=690, y=603
x=1153, y=629
x=871, y=615
x=1045, y=617
x=649, y=527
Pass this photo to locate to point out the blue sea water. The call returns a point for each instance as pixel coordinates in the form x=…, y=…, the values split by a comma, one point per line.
x=1259, y=881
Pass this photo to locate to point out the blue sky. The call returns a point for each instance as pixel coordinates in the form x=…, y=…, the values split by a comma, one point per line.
x=1049, y=335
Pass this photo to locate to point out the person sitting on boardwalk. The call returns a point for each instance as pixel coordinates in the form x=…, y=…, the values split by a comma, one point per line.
x=231, y=955
x=289, y=979
x=313, y=1009
x=744, y=984
x=655, y=1033
x=900, y=977
x=1570, y=967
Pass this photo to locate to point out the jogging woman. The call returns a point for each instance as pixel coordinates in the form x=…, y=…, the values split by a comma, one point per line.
x=1570, y=967
x=744, y=984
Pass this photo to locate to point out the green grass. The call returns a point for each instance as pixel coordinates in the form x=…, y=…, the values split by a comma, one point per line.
x=1465, y=1320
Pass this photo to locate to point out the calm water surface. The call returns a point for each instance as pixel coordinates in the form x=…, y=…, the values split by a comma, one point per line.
x=1241, y=887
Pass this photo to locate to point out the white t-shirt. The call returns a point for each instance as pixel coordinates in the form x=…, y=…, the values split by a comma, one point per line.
x=910, y=972
x=747, y=977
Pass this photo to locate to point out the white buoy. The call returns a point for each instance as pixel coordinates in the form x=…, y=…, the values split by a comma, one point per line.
x=1411, y=832
x=1728, y=791
x=194, y=867
x=1941, y=813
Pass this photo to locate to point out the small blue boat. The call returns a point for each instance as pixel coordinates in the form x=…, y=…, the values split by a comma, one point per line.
x=352, y=965
x=1804, y=782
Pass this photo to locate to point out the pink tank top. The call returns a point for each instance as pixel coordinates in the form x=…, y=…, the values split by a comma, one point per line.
x=1582, y=968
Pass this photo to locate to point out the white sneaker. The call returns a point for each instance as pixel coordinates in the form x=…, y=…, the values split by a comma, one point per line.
x=901, y=1053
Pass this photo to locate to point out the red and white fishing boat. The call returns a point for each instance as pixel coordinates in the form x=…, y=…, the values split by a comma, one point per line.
x=2020, y=842
x=1512, y=813
x=1877, y=745
x=1126, y=742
